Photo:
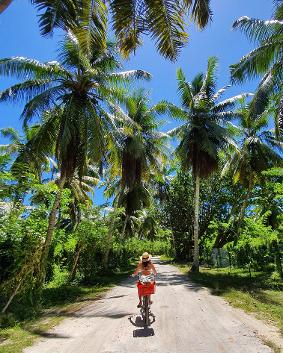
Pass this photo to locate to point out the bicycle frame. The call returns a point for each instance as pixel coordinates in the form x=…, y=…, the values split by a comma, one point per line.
x=146, y=287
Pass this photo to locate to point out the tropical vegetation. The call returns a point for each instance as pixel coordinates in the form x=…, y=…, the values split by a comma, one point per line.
x=207, y=192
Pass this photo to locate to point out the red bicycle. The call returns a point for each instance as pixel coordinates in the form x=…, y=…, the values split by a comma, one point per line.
x=146, y=287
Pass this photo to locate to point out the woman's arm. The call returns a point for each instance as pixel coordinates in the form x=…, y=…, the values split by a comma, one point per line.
x=153, y=269
x=137, y=270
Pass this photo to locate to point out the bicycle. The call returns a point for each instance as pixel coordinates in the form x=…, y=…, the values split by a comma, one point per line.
x=146, y=287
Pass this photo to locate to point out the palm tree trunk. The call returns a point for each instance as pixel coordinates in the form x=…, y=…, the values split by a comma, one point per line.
x=76, y=260
x=124, y=227
x=25, y=270
x=12, y=296
x=50, y=232
x=105, y=260
x=278, y=261
x=243, y=209
x=4, y=4
x=195, y=266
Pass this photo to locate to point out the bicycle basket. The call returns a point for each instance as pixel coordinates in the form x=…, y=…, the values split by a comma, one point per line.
x=146, y=288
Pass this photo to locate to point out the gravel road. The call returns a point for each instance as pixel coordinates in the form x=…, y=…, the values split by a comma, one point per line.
x=188, y=319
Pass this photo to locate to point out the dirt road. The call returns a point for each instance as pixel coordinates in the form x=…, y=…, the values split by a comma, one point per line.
x=188, y=320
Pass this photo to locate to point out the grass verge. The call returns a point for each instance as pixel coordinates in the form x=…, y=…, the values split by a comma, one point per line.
x=57, y=302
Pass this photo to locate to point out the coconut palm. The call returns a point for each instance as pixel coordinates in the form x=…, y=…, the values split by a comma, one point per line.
x=259, y=150
x=23, y=174
x=163, y=20
x=141, y=153
x=15, y=141
x=265, y=61
x=72, y=91
x=17, y=144
x=203, y=133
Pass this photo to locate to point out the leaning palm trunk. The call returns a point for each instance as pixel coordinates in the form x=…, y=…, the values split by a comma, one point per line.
x=26, y=269
x=195, y=266
x=50, y=232
x=15, y=291
x=79, y=249
x=4, y=4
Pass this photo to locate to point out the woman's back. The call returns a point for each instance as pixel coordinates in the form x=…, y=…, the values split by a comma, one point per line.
x=146, y=268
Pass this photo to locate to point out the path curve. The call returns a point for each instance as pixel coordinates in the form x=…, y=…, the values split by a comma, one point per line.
x=188, y=320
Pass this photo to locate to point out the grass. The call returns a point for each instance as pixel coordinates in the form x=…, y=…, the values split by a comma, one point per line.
x=57, y=301
x=260, y=294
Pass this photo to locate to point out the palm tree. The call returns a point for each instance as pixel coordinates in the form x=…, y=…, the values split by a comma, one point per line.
x=141, y=153
x=23, y=173
x=72, y=91
x=163, y=20
x=265, y=61
x=257, y=153
x=203, y=133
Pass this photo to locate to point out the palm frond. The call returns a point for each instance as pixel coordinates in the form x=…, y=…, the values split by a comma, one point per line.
x=257, y=61
x=24, y=91
x=56, y=13
x=266, y=87
x=92, y=29
x=200, y=11
x=11, y=134
x=167, y=27
x=208, y=84
x=220, y=92
x=258, y=30
x=184, y=89
x=21, y=67
x=177, y=131
x=230, y=103
x=131, y=74
x=128, y=24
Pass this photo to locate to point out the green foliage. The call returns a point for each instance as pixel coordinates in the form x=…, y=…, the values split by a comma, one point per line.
x=254, y=247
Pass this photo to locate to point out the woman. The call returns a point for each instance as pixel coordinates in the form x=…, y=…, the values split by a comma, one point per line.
x=145, y=267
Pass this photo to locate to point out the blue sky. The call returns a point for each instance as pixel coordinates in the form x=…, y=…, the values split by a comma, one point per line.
x=19, y=36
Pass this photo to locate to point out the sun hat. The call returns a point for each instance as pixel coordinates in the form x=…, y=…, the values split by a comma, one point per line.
x=145, y=257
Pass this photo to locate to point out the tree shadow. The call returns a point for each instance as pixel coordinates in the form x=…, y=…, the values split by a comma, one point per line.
x=116, y=296
x=48, y=334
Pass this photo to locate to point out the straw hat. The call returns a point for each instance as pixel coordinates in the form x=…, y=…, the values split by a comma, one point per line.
x=145, y=257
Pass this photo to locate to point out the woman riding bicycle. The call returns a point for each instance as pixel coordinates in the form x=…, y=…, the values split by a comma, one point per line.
x=145, y=267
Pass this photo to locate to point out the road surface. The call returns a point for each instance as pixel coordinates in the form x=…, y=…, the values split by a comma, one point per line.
x=188, y=320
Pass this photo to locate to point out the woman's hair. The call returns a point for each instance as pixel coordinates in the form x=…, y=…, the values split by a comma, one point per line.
x=145, y=264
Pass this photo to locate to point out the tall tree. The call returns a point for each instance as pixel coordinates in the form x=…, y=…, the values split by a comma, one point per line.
x=203, y=134
x=265, y=61
x=141, y=153
x=77, y=84
x=259, y=150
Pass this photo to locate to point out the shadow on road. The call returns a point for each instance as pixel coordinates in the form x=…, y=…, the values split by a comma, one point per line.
x=48, y=334
x=138, y=321
x=145, y=332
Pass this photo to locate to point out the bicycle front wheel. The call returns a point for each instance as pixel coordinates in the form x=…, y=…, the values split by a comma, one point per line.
x=146, y=310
